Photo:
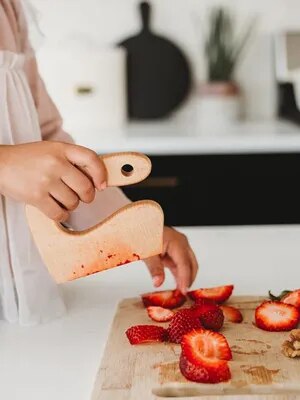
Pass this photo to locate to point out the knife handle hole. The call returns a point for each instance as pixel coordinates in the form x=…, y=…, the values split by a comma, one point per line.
x=127, y=170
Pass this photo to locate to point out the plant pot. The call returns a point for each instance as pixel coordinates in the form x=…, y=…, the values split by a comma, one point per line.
x=218, y=106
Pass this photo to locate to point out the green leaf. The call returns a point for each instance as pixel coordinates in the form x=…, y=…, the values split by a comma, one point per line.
x=280, y=297
x=222, y=50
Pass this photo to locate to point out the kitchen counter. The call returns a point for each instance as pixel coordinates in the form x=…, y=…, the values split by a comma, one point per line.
x=60, y=360
x=169, y=138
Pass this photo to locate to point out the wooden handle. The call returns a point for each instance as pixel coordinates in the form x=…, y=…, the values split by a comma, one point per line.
x=126, y=168
x=145, y=13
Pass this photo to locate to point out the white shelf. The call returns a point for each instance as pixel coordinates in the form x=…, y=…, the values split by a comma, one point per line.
x=168, y=139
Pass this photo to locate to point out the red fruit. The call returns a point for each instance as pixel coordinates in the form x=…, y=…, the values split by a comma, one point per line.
x=210, y=315
x=292, y=298
x=160, y=314
x=165, y=298
x=204, y=357
x=146, y=333
x=201, y=301
x=232, y=314
x=183, y=322
x=207, y=371
x=275, y=316
x=218, y=294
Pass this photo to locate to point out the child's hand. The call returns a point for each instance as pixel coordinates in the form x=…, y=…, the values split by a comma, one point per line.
x=178, y=256
x=51, y=176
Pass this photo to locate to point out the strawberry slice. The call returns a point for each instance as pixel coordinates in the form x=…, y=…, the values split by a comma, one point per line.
x=201, y=301
x=210, y=315
x=275, y=316
x=292, y=298
x=183, y=322
x=218, y=294
x=232, y=314
x=140, y=334
x=204, y=357
x=165, y=298
x=160, y=314
x=288, y=297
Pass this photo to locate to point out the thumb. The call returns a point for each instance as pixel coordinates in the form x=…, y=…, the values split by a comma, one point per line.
x=89, y=162
x=156, y=269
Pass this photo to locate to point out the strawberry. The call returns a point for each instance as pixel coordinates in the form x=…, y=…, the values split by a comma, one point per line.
x=140, y=334
x=166, y=298
x=232, y=314
x=288, y=297
x=160, y=314
x=275, y=316
x=210, y=315
x=204, y=357
x=201, y=301
x=218, y=294
x=292, y=298
x=183, y=322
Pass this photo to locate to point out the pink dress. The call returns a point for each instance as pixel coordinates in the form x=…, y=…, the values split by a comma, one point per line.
x=28, y=295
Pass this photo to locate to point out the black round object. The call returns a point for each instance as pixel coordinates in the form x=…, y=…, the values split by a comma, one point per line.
x=158, y=74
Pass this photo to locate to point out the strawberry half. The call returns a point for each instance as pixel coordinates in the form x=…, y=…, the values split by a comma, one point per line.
x=292, y=298
x=166, y=299
x=140, y=334
x=218, y=294
x=275, y=316
x=232, y=314
x=160, y=314
x=210, y=315
x=204, y=357
x=183, y=322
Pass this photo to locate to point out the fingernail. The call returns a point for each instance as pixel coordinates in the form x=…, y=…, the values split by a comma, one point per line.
x=156, y=281
x=103, y=186
x=184, y=290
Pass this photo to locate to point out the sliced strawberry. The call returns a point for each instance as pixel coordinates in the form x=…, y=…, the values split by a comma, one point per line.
x=204, y=357
x=232, y=314
x=183, y=322
x=210, y=315
x=205, y=371
x=160, y=314
x=205, y=343
x=140, y=334
x=166, y=298
x=292, y=298
x=201, y=301
x=275, y=316
x=218, y=294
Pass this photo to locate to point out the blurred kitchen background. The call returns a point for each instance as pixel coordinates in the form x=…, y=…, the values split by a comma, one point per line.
x=214, y=101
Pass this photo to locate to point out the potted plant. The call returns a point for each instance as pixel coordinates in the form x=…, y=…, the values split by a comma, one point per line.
x=220, y=96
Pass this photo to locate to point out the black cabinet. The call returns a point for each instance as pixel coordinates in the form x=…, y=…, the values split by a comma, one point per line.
x=233, y=189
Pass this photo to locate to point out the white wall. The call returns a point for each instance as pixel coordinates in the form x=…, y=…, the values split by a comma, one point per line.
x=105, y=22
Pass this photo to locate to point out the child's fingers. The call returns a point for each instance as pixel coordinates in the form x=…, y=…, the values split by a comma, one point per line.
x=53, y=210
x=194, y=265
x=65, y=196
x=88, y=161
x=156, y=269
x=79, y=183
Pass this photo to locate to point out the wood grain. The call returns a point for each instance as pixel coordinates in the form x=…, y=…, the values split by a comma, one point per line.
x=150, y=372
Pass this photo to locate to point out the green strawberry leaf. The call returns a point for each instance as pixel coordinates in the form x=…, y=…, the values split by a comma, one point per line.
x=280, y=297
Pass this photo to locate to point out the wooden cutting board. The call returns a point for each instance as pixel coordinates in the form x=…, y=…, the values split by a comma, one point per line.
x=150, y=372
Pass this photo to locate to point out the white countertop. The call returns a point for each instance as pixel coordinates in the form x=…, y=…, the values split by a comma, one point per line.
x=60, y=360
x=168, y=138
